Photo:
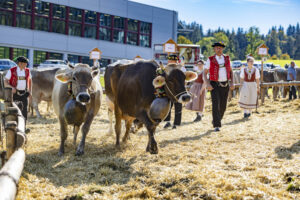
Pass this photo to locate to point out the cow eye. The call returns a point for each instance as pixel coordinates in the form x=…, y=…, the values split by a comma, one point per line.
x=74, y=79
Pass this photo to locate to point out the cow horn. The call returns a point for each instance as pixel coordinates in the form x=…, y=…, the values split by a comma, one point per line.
x=94, y=68
x=70, y=65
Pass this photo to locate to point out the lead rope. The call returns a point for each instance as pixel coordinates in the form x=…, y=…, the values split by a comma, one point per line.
x=175, y=96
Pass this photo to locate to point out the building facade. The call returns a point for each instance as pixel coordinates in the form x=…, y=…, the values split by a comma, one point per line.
x=69, y=29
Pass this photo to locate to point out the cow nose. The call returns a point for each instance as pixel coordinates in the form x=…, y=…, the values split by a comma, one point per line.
x=186, y=98
x=84, y=98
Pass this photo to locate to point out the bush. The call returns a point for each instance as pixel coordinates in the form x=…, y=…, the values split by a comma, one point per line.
x=285, y=56
x=274, y=57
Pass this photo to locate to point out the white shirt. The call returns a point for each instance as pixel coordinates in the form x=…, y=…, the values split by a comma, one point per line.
x=257, y=74
x=21, y=84
x=222, y=70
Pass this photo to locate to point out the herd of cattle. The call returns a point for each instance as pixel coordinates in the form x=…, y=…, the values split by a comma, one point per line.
x=76, y=94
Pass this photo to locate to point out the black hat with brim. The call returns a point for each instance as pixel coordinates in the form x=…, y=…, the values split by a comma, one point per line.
x=218, y=44
x=22, y=59
x=173, y=57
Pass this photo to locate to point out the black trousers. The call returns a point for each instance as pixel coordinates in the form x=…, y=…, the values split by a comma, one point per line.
x=219, y=97
x=178, y=113
x=22, y=103
x=292, y=92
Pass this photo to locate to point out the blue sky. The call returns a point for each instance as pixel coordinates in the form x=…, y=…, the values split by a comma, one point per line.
x=230, y=14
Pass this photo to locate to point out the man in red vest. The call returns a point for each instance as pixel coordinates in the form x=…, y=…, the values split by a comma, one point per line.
x=19, y=79
x=220, y=74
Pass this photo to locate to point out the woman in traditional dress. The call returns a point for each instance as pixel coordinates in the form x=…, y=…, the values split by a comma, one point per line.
x=198, y=90
x=250, y=87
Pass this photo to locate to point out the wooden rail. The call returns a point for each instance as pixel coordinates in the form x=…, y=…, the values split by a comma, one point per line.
x=276, y=84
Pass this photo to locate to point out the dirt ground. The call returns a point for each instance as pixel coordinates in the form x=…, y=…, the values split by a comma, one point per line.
x=257, y=158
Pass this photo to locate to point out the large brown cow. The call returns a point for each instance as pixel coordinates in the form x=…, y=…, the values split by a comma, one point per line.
x=280, y=75
x=131, y=88
x=76, y=99
x=42, y=86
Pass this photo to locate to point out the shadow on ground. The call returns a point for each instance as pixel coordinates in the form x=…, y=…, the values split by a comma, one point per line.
x=287, y=152
x=100, y=165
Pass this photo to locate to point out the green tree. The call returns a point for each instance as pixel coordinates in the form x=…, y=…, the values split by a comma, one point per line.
x=183, y=40
x=253, y=39
x=205, y=45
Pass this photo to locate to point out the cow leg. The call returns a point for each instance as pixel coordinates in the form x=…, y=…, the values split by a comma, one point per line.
x=275, y=92
x=63, y=136
x=75, y=132
x=85, y=129
x=128, y=127
x=36, y=108
x=230, y=95
x=110, y=117
x=118, y=125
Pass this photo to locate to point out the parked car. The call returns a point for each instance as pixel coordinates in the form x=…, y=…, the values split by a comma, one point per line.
x=6, y=64
x=54, y=63
x=236, y=64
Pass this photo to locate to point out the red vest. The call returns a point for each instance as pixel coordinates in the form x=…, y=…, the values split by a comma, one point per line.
x=14, y=76
x=214, y=68
x=200, y=78
x=252, y=79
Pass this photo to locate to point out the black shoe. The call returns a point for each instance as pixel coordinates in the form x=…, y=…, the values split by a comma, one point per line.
x=248, y=115
x=167, y=125
x=198, y=118
x=245, y=115
x=174, y=127
x=217, y=129
x=27, y=130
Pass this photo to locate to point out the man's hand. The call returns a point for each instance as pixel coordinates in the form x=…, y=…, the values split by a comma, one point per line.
x=14, y=90
x=209, y=87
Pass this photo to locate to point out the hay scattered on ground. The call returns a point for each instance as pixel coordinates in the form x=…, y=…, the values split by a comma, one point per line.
x=249, y=159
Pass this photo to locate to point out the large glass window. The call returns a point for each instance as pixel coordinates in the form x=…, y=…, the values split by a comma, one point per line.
x=6, y=18
x=55, y=56
x=104, y=62
x=41, y=23
x=118, y=36
x=145, y=34
x=90, y=17
x=4, y=52
x=38, y=57
x=74, y=29
x=58, y=26
x=119, y=22
x=90, y=31
x=132, y=38
x=20, y=52
x=105, y=20
x=6, y=4
x=87, y=60
x=23, y=21
x=145, y=28
x=132, y=25
x=73, y=59
x=59, y=11
x=75, y=14
x=105, y=34
x=145, y=40
x=42, y=8
x=118, y=29
x=24, y=6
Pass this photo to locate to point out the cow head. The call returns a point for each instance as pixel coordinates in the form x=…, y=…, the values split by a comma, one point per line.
x=81, y=77
x=173, y=81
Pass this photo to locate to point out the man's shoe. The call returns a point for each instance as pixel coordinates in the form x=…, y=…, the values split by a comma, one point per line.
x=167, y=125
x=249, y=115
x=174, y=127
x=217, y=129
x=245, y=115
x=198, y=118
x=27, y=130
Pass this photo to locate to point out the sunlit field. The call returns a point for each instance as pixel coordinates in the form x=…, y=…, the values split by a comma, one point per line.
x=283, y=62
x=257, y=158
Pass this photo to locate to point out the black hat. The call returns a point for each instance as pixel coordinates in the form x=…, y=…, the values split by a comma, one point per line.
x=173, y=57
x=218, y=44
x=22, y=59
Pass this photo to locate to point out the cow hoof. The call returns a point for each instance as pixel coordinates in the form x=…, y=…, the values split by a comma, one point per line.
x=60, y=153
x=154, y=150
x=79, y=153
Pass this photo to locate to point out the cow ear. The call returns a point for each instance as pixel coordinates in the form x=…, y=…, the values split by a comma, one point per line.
x=190, y=76
x=159, y=81
x=64, y=78
x=95, y=73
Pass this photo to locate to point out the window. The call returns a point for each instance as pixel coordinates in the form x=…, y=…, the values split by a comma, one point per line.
x=42, y=8
x=23, y=21
x=73, y=59
x=132, y=32
x=105, y=27
x=4, y=52
x=104, y=62
x=118, y=36
x=41, y=23
x=118, y=29
x=59, y=11
x=19, y=52
x=90, y=31
x=74, y=29
x=132, y=38
x=39, y=57
x=118, y=22
x=90, y=17
x=7, y=4
x=55, y=56
x=145, y=34
x=24, y=6
x=58, y=26
x=132, y=25
x=87, y=60
x=6, y=18
x=75, y=14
